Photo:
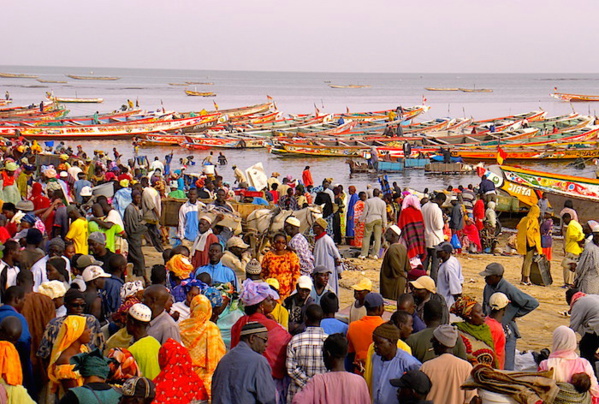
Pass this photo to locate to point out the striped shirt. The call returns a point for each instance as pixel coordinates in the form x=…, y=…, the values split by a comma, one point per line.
x=304, y=358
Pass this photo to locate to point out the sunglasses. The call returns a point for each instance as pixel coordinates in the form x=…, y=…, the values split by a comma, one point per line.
x=265, y=339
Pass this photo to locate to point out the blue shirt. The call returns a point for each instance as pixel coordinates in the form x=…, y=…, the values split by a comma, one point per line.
x=219, y=273
x=112, y=293
x=383, y=371
x=333, y=326
x=9, y=311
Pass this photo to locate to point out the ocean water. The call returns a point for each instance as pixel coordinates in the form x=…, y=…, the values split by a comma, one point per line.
x=296, y=92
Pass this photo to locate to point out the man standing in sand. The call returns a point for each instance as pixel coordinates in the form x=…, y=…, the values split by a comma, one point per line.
x=433, y=232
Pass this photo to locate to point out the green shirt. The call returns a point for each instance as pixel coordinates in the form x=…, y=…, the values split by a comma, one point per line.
x=178, y=194
x=145, y=352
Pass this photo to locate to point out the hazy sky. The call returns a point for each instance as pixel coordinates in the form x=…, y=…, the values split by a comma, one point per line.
x=305, y=35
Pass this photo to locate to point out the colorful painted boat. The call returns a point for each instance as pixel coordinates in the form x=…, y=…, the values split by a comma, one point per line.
x=575, y=97
x=33, y=110
x=203, y=143
x=528, y=154
x=76, y=77
x=528, y=185
x=18, y=76
x=200, y=94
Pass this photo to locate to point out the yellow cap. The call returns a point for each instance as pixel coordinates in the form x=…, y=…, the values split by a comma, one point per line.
x=273, y=282
x=64, y=157
x=364, y=284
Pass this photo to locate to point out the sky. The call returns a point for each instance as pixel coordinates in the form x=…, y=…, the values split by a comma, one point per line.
x=434, y=36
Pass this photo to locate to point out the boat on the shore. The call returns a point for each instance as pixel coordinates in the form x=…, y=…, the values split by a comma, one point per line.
x=349, y=86
x=52, y=81
x=575, y=97
x=528, y=186
x=523, y=153
x=200, y=94
x=18, y=76
x=77, y=100
x=77, y=77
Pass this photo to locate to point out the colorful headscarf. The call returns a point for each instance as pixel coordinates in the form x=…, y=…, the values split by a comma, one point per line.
x=575, y=298
x=91, y=364
x=177, y=383
x=214, y=295
x=180, y=266
x=131, y=288
x=190, y=283
x=10, y=364
x=122, y=367
x=70, y=331
x=202, y=338
x=411, y=200
x=255, y=292
x=463, y=307
x=121, y=314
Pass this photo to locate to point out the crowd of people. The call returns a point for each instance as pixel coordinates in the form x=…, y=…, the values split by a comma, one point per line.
x=84, y=318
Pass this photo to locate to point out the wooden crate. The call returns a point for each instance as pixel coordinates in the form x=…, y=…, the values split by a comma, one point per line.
x=170, y=211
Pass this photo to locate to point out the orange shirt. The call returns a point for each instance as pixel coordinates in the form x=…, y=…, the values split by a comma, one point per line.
x=359, y=335
x=498, y=339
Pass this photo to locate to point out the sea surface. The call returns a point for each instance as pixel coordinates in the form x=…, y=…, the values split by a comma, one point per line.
x=296, y=93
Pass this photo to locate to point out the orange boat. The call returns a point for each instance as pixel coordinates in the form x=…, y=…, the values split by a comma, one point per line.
x=575, y=97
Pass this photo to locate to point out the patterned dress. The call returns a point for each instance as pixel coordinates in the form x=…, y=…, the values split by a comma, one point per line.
x=285, y=268
x=358, y=226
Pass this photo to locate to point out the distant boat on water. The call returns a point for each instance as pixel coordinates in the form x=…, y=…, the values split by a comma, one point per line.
x=18, y=76
x=442, y=88
x=177, y=84
x=349, y=86
x=92, y=77
x=199, y=83
x=575, y=97
x=51, y=81
x=475, y=90
x=76, y=100
x=200, y=94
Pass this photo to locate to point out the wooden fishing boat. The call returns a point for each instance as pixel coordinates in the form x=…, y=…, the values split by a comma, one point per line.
x=109, y=132
x=528, y=185
x=18, y=76
x=441, y=88
x=202, y=143
x=475, y=90
x=358, y=167
x=178, y=84
x=77, y=100
x=30, y=111
x=51, y=81
x=529, y=116
x=5, y=102
x=528, y=154
x=575, y=97
x=448, y=168
x=76, y=77
x=349, y=86
x=319, y=148
x=433, y=125
x=200, y=94
x=200, y=83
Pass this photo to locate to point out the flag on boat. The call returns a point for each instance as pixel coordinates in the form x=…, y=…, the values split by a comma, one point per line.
x=268, y=97
x=424, y=99
x=316, y=110
x=554, y=88
x=347, y=110
x=501, y=155
x=215, y=105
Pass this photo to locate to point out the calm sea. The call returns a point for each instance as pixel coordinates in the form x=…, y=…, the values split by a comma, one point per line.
x=299, y=93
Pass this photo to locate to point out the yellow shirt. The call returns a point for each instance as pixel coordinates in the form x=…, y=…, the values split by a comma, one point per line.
x=368, y=366
x=281, y=316
x=574, y=234
x=78, y=232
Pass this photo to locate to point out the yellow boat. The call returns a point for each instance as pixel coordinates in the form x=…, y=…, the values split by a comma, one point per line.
x=200, y=94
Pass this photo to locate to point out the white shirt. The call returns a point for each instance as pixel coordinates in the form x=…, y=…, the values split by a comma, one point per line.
x=114, y=217
x=450, y=280
x=433, y=224
x=183, y=310
x=11, y=274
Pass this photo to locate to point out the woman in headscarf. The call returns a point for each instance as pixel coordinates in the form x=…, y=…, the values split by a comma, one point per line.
x=478, y=211
x=40, y=201
x=565, y=362
x=282, y=264
x=350, y=226
x=202, y=339
x=94, y=369
x=56, y=270
x=71, y=340
x=528, y=241
x=122, y=367
x=470, y=237
x=11, y=375
x=177, y=383
x=476, y=334
x=358, y=224
x=190, y=288
x=259, y=300
x=202, y=243
x=411, y=224
x=338, y=206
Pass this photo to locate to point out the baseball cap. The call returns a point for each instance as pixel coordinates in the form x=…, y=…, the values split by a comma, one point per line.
x=273, y=282
x=98, y=237
x=93, y=272
x=236, y=242
x=85, y=261
x=364, y=284
x=373, y=300
x=141, y=312
x=415, y=380
x=498, y=301
x=444, y=246
x=304, y=282
x=425, y=282
x=139, y=387
x=493, y=268
x=320, y=269
x=86, y=191
x=294, y=221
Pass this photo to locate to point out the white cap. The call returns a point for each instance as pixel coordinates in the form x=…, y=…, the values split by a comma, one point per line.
x=294, y=221
x=304, y=282
x=86, y=191
x=140, y=312
x=395, y=229
x=94, y=272
x=52, y=289
x=498, y=301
